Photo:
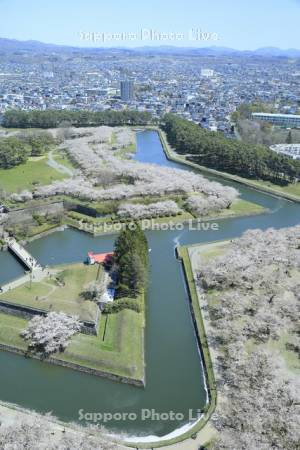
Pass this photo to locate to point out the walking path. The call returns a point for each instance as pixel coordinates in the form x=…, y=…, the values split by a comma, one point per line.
x=197, y=259
x=11, y=414
x=57, y=166
x=37, y=272
x=37, y=275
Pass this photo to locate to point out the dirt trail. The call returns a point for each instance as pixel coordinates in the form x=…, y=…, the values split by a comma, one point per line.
x=57, y=166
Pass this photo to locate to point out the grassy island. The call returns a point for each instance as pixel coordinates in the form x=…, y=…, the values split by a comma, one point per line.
x=116, y=349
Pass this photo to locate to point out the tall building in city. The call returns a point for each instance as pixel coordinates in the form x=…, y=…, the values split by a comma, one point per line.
x=127, y=91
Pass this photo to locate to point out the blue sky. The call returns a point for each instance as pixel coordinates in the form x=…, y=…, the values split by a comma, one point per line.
x=231, y=23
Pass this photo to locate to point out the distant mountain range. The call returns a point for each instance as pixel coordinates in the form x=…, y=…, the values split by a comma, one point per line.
x=13, y=45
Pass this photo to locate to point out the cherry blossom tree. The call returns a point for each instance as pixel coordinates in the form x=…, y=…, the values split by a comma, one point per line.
x=32, y=431
x=255, y=303
x=22, y=196
x=51, y=333
x=138, y=211
x=103, y=175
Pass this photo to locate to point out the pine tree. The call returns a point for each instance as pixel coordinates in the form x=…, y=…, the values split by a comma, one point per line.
x=131, y=258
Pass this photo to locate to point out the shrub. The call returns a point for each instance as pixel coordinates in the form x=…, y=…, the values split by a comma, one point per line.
x=121, y=304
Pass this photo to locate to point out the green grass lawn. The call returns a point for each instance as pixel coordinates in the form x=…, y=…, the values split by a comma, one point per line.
x=10, y=328
x=242, y=207
x=212, y=250
x=26, y=176
x=123, y=152
x=291, y=358
x=119, y=346
x=49, y=296
x=292, y=188
x=62, y=158
x=120, y=350
x=38, y=229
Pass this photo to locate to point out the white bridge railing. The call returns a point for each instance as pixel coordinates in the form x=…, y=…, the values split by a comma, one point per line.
x=23, y=254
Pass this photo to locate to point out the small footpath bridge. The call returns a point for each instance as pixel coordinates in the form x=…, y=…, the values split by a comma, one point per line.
x=23, y=255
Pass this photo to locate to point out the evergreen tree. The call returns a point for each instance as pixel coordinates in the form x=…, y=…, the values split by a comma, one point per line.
x=213, y=150
x=131, y=258
x=54, y=118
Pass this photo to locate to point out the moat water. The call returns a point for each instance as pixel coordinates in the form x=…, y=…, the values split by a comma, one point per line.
x=174, y=375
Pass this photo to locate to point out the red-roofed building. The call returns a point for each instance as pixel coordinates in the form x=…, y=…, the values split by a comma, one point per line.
x=99, y=258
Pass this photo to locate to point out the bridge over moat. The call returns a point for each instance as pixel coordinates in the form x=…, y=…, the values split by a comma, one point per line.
x=23, y=255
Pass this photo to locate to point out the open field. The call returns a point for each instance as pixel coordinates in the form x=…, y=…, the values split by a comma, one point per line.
x=27, y=176
x=49, y=295
x=125, y=151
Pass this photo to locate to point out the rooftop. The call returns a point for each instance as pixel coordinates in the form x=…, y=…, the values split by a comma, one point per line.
x=287, y=116
x=100, y=257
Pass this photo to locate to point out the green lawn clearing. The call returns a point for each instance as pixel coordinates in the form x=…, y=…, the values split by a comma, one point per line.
x=117, y=349
x=49, y=295
x=242, y=207
x=119, y=346
x=292, y=188
x=25, y=176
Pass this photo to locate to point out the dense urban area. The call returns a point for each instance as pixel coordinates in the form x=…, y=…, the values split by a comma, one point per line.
x=206, y=88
